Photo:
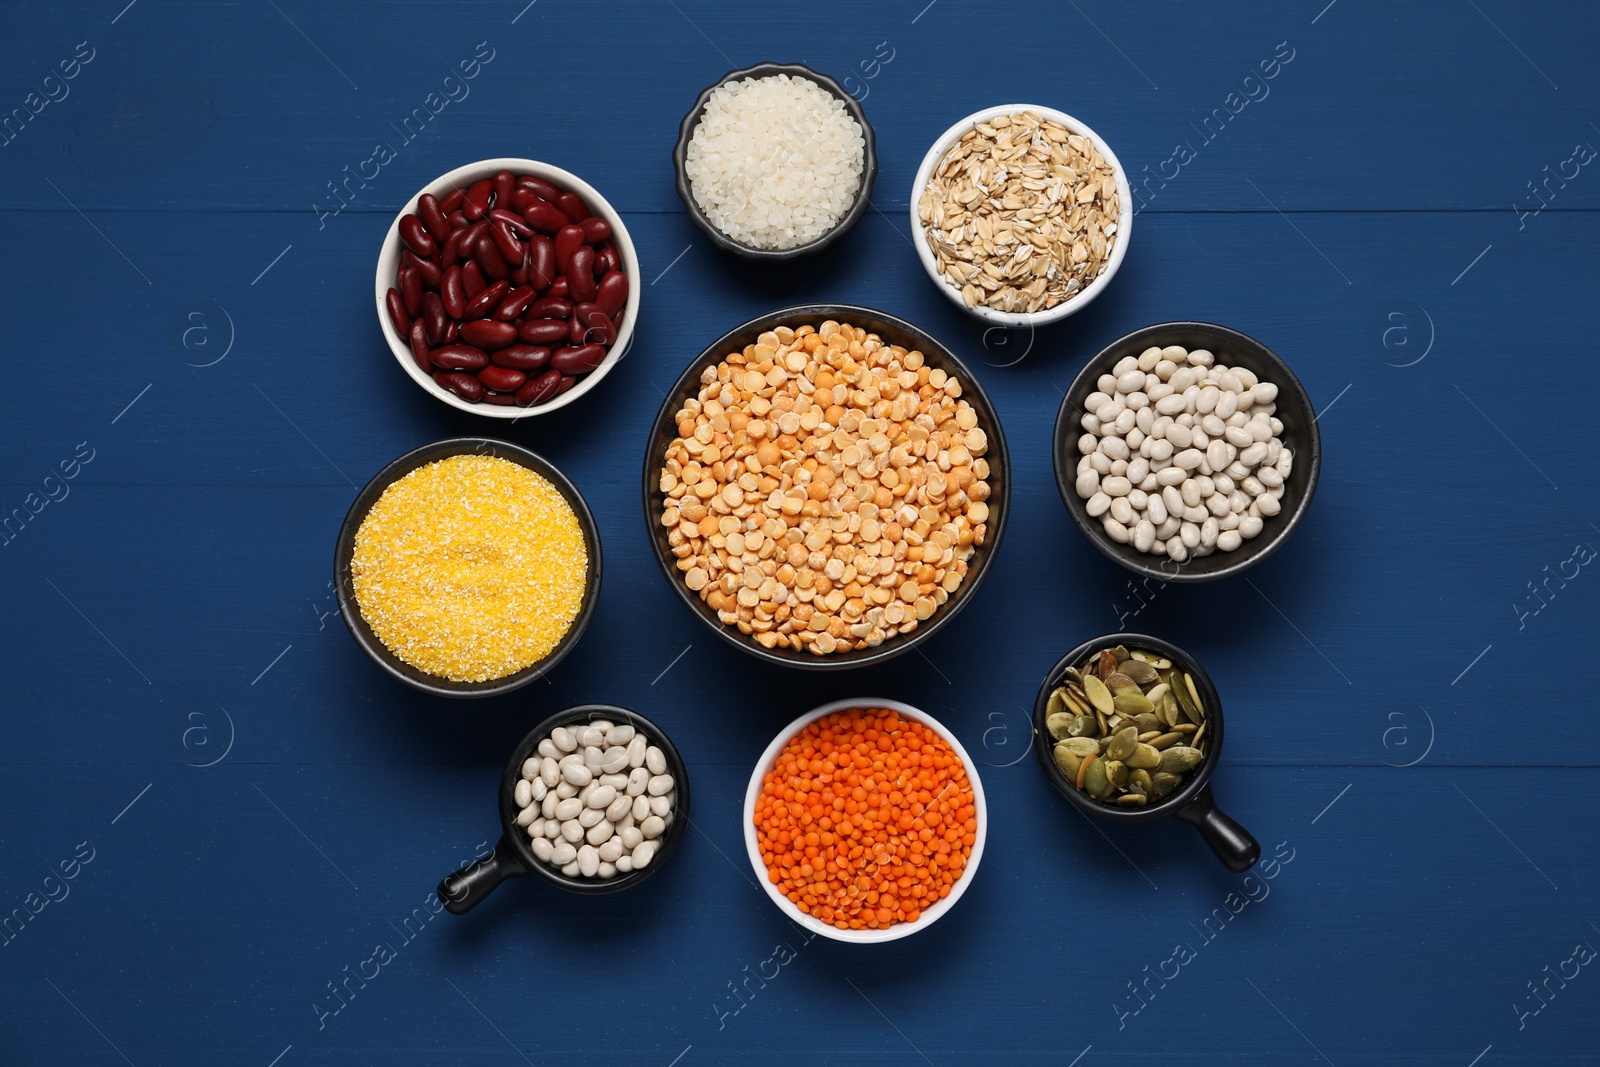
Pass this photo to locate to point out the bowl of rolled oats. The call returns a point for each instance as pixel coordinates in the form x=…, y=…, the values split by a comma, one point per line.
x=1023, y=212
x=825, y=486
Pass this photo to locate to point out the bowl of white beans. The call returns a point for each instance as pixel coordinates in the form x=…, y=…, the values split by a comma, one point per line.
x=628, y=789
x=1187, y=451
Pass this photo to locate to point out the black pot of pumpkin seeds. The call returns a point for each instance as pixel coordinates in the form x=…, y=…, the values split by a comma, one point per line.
x=1129, y=727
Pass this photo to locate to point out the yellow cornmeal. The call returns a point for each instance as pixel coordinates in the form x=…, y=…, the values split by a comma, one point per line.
x=470, y=568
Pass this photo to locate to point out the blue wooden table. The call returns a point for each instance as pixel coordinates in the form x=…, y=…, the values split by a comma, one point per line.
x=222, y=826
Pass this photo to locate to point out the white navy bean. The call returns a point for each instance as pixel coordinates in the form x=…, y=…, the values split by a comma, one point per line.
x=1122, y=510
x=549, y=772
x=563, y=852
x=562, y=738
x=619, y=807
x=611, y=850
x=523, y=793
x=660, y=785
x=656, y=760
x=1098, y=505
x=653, y=827
x=568, y=809
x=614, y=759
x=589, y=816
x=643, y=853
x=1088, y=484
x=620, y=734
x=548, y=748
x=600, y=832
x=588, y=861
x=1115, y=530
x=641, y=806
x=661, y=806
x=577, y=774
x=526, y=816
x=566, y=789
x=572, y=831
x=601, y=797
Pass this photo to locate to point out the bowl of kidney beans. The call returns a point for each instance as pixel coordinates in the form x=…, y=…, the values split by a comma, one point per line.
x=508, y=287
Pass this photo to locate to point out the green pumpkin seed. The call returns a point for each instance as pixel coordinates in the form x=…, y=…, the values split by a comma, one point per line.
x=1057, y=704
x=1131, y=800
x=1181, y=758
x=1120, y=653
x=1123, y=744
x=1140, y=671
x=1166, y=740
x=1098, y=694
x=1095, y=782
x=1146, y=722
x=1108, y=664
x=1143, y=757
x=1080, y=746
x=1198, y=734
x=1133, y=703
x=1120, y=683
x=1139, y=781
x=1162, y=783
x=1083, y=726
x=1057, y=725
x=1116, y=773
x=1067, y=761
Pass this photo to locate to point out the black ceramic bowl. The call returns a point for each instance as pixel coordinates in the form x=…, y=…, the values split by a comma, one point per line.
x=1300, y=436
x=869, y=164
x=893, y=331
x=1192, y=802
x=345, y=548
x=512, y=857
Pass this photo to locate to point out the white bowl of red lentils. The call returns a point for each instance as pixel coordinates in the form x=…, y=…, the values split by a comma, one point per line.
x=508, y=288
x=865, y=820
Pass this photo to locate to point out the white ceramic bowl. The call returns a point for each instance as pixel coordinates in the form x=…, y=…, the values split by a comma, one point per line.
x=1015, y=318
x=461, y=178
x=930, y=914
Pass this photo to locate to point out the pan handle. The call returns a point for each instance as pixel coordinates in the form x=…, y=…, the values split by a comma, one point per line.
x=1231, y=842
x=466, y=888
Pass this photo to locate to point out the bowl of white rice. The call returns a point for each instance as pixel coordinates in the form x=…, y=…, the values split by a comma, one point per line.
x=775, y=161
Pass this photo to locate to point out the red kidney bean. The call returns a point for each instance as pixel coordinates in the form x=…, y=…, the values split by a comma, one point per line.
x=412, y=233
x=458, y=221
x=411, y=290
x=567, y=382
x=480, y=305
x=433, y=219
x=517, y=223
x=546, y=218
x=452, y=331
x=419, y=346
x=459, y=357
x=568, y=240
x=504, y=183
x=433, y=318
x=485, y=301
x=487, y=333
x=522, y=199
x=550, y=307
x=540, y=188
x=427, y=268
x=591, y=323
x=606, y=259
x=539, y=389
x=515, y=303
x=452, y=250
x=580, y=274
x=502, y=379
x=572, y=205
x=612, y=292
x=452, y=201
x=596, y=230
x=543, y=331
x=541, y=262
x=490, y=260
x=579, y=360
x=453, y=295
x=559, y=288
x=521, y=357
x=463, y=385
x=506, y=241
x=519, y=275
x=472, y=280
x=476, y=205
x=397, y=312
x=504, y=400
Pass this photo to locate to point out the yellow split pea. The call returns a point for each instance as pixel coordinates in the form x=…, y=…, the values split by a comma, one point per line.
x=470, y=568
